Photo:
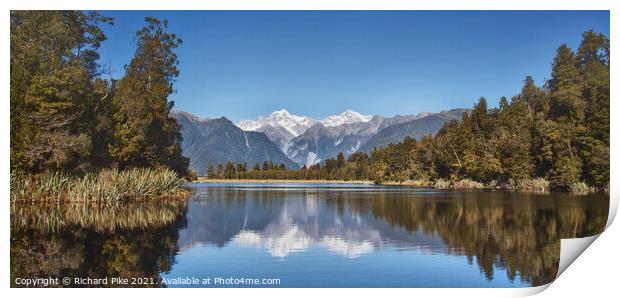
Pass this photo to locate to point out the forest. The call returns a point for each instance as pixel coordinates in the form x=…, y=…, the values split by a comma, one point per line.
x=68, y=115
x=72, y=126
x=554, y=136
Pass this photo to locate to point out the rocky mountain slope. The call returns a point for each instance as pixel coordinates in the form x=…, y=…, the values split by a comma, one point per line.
x=416, y=128
x=219, y=140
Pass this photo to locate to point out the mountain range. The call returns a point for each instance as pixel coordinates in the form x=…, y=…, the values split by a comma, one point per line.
x=427, y=124
x=298, y=140
x=219, y=140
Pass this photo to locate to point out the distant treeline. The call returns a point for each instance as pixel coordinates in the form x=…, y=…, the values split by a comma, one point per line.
x=558, y=131
x=69, y=115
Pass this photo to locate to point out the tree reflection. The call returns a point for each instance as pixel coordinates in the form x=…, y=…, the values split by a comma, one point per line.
x=123, y=240
x=517, y=232
x=513, y=231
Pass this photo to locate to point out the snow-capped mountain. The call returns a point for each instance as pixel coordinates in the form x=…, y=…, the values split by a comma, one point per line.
x=347, y=117
x=320, y=142
x=281, y=126
x=293, y=124
x=296, y=125
x=307, y=141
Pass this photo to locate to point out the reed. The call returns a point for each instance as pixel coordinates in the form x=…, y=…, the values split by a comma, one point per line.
x=467, y=184
x=105, y=186
x=581, y=188
x=441, y=184
x=531, y=185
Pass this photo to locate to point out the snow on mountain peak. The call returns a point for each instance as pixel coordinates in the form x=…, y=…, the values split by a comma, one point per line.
x=294, y=124
x=280, y=113
x=297, y=125
x=251, y=125
x=346, y=117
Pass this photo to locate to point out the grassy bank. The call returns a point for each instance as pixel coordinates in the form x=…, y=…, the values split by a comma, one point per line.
x=529, y=185
x=105, y=186
x=539, y=185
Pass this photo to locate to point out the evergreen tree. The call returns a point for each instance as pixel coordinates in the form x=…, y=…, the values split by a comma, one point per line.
x=145, y=134
x=241, y=169
x=220, y=171
x=534, y=97
x=340, y=160
x=512, y=135
x=210, y=170
x=593, y=65
x=229, y=172
x=568, y=110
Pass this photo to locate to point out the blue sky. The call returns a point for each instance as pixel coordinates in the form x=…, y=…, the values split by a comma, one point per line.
x=242, y=64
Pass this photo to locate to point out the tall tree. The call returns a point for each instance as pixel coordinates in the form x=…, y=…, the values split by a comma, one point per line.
x=210, y=170
x=145, y=135
x=229, y=172
x=568, y=110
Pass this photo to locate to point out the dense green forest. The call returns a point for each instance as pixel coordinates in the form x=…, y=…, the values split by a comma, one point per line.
x=69, y=115
x=558, y=132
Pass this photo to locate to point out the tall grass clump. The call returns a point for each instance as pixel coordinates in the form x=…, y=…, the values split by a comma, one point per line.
x=51, y=185
x=532, y=185
x=441, y=184
x=581, y=188
x=105, y=186
x=468, y=184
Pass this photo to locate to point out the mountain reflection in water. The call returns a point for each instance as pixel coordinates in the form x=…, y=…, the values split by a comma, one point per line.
x=318, y=236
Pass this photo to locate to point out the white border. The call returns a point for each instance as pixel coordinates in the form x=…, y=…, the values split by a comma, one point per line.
x=593, y=271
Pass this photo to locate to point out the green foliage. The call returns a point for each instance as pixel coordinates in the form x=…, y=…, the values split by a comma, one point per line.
x=66, y=117
x=145, y=135
x=53, y=66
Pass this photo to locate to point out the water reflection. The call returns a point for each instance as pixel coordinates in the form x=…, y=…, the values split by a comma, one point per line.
x=310, y=236
x=119, y=240
x=517, y=233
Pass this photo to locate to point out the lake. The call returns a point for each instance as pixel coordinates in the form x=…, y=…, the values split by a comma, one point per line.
x=307, y=236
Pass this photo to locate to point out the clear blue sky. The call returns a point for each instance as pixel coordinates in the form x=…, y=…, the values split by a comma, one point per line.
x=242, y=64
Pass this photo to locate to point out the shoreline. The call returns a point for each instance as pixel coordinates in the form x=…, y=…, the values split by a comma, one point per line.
x=201, y=180
x=536, y=185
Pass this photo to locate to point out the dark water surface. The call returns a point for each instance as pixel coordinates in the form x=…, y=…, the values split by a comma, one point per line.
x=308, y=236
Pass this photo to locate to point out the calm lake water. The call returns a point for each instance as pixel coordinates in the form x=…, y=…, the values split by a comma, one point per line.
x=308, y=236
